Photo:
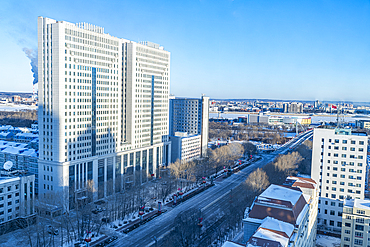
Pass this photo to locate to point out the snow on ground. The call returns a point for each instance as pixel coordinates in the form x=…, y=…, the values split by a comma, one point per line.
x=327, y=241
x=13, y=107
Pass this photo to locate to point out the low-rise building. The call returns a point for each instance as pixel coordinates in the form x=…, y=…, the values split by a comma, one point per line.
x=283, y=215
x=185, y=147
x=363, y=124
x=17, y=194
x=355, y=223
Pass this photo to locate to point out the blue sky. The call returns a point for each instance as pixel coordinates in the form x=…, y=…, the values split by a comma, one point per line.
x=225, y=49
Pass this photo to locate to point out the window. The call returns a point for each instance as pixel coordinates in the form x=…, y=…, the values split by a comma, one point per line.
x=360, y=220
x=353, y=142
x=332, y=203
x=347, y=231
x=347, y=224
x=332, y=212
x=359, y=227
x=352, y=149
x=346, y=239
x=331, y=223
x=339, y=224
x=336, y=141
x=344, y=141
x=358, y=241
x=344, y=148
x=361, y=142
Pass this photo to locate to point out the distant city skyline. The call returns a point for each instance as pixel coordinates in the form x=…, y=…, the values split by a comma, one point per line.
x=283, y=50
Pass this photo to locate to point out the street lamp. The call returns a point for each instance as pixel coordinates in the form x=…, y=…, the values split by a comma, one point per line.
x=155, y=240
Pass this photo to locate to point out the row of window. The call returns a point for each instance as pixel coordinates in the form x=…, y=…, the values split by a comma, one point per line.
x=345, y=141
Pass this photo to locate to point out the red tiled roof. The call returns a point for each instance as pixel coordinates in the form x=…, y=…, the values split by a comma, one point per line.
x=304, y=185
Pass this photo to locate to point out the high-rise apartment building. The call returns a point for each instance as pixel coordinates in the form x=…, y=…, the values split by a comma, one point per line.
x=339, y=167
x=103, y=110
x=192, y=116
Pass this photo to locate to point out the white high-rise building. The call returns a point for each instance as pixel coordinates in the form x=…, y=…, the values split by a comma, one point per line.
x=103, y=111
x=339, y=167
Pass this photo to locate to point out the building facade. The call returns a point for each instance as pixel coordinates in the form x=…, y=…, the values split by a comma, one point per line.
x=192, y=116
x=363, y=124
x=103, y=111
x=185, y=147
x=17, y=195
x=339, y=167
x=356, y=223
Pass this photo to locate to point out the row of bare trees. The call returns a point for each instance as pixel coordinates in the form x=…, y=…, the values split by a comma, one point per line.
x=186, y=173
x=264, y=133
x=18, y=118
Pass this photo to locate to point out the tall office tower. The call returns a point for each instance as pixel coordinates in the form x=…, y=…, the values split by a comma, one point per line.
x=339, y=167
x=103, y=111
x=192, y=116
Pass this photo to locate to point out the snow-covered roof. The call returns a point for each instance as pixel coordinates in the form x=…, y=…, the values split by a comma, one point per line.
x=272, y=233
x=26, y=135
x=267, y=237
x=280, y=202
x=277, y=225
x=17, y=149
x=232, y=244
x=357, y=203
x=4, y=134
x=281, y=193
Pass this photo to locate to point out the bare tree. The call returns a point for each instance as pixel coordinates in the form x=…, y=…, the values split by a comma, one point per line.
x=288, y=162
x=186, y=230
x=257, y=181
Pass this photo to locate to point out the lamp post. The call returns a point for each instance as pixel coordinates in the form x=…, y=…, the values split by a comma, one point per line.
x=155, y=241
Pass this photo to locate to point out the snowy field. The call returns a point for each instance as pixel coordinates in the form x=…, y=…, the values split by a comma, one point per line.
x=327, y=241
x=12, y=107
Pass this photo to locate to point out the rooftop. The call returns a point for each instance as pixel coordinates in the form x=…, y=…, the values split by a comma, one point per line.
x=357, y=203
x=281, y=193
x=280, y=202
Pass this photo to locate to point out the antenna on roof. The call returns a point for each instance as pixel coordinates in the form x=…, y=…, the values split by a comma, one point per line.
x=8, y=165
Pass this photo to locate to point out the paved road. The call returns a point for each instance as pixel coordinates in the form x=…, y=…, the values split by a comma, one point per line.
x=211, y=203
